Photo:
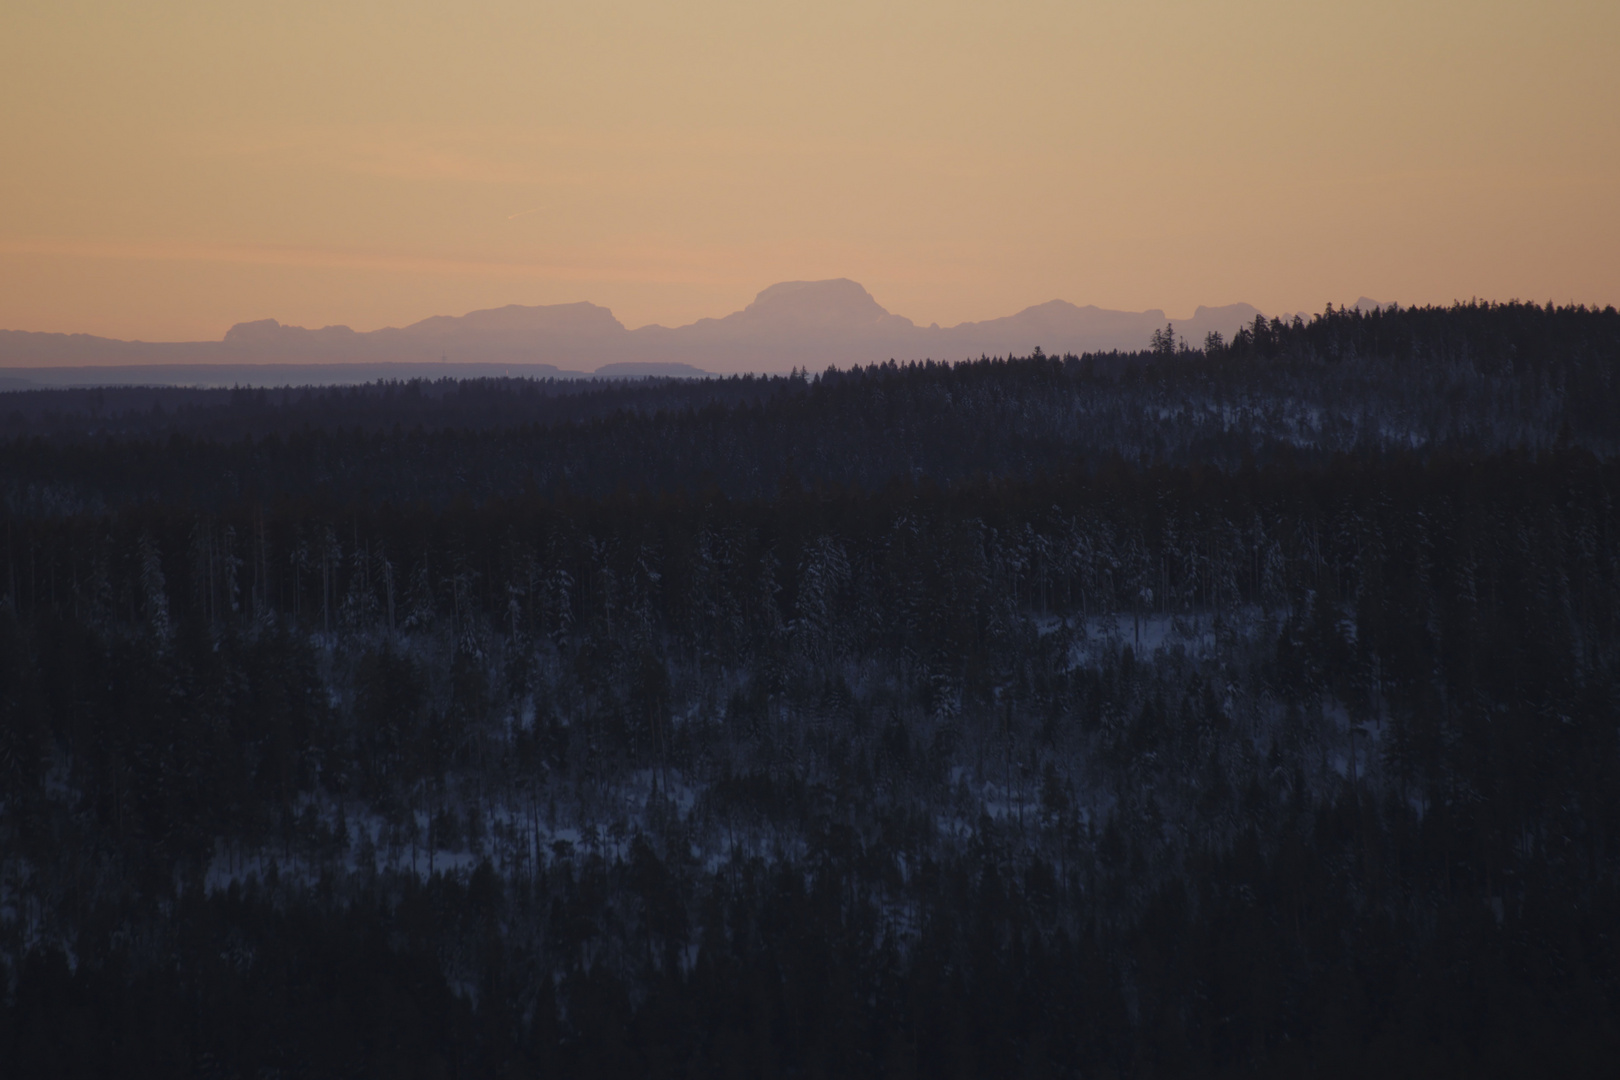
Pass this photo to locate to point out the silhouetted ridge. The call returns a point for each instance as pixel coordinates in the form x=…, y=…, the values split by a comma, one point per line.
x=791, y=324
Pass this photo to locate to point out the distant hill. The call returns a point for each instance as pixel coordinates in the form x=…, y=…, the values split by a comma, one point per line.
x=791, y=324
x=649, y=371
x=213, y=373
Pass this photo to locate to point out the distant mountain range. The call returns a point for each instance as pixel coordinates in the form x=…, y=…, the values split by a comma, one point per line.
x=792, y=324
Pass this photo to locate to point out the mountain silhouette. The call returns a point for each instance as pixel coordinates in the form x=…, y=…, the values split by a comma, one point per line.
x=839, y=305
x=790, y=324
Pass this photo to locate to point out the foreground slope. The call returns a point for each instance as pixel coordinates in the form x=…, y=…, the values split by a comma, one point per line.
x=1284, y=746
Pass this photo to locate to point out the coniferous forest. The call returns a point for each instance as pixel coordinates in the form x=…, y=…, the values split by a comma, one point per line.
x=1235, y=708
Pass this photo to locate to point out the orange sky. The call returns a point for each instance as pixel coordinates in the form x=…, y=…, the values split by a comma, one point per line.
x=169, y=169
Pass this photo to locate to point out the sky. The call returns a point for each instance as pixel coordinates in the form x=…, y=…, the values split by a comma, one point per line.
x=168, y=169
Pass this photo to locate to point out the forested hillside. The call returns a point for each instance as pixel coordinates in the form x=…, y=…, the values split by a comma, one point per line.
x=1244, y=709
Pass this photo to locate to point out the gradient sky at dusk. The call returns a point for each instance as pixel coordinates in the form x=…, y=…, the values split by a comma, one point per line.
x=171, y=168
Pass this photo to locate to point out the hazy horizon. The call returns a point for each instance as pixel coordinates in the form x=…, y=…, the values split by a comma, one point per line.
x=433, y=316
x=789, y=324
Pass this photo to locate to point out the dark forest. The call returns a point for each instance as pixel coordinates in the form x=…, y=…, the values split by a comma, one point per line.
x=1236, y=708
